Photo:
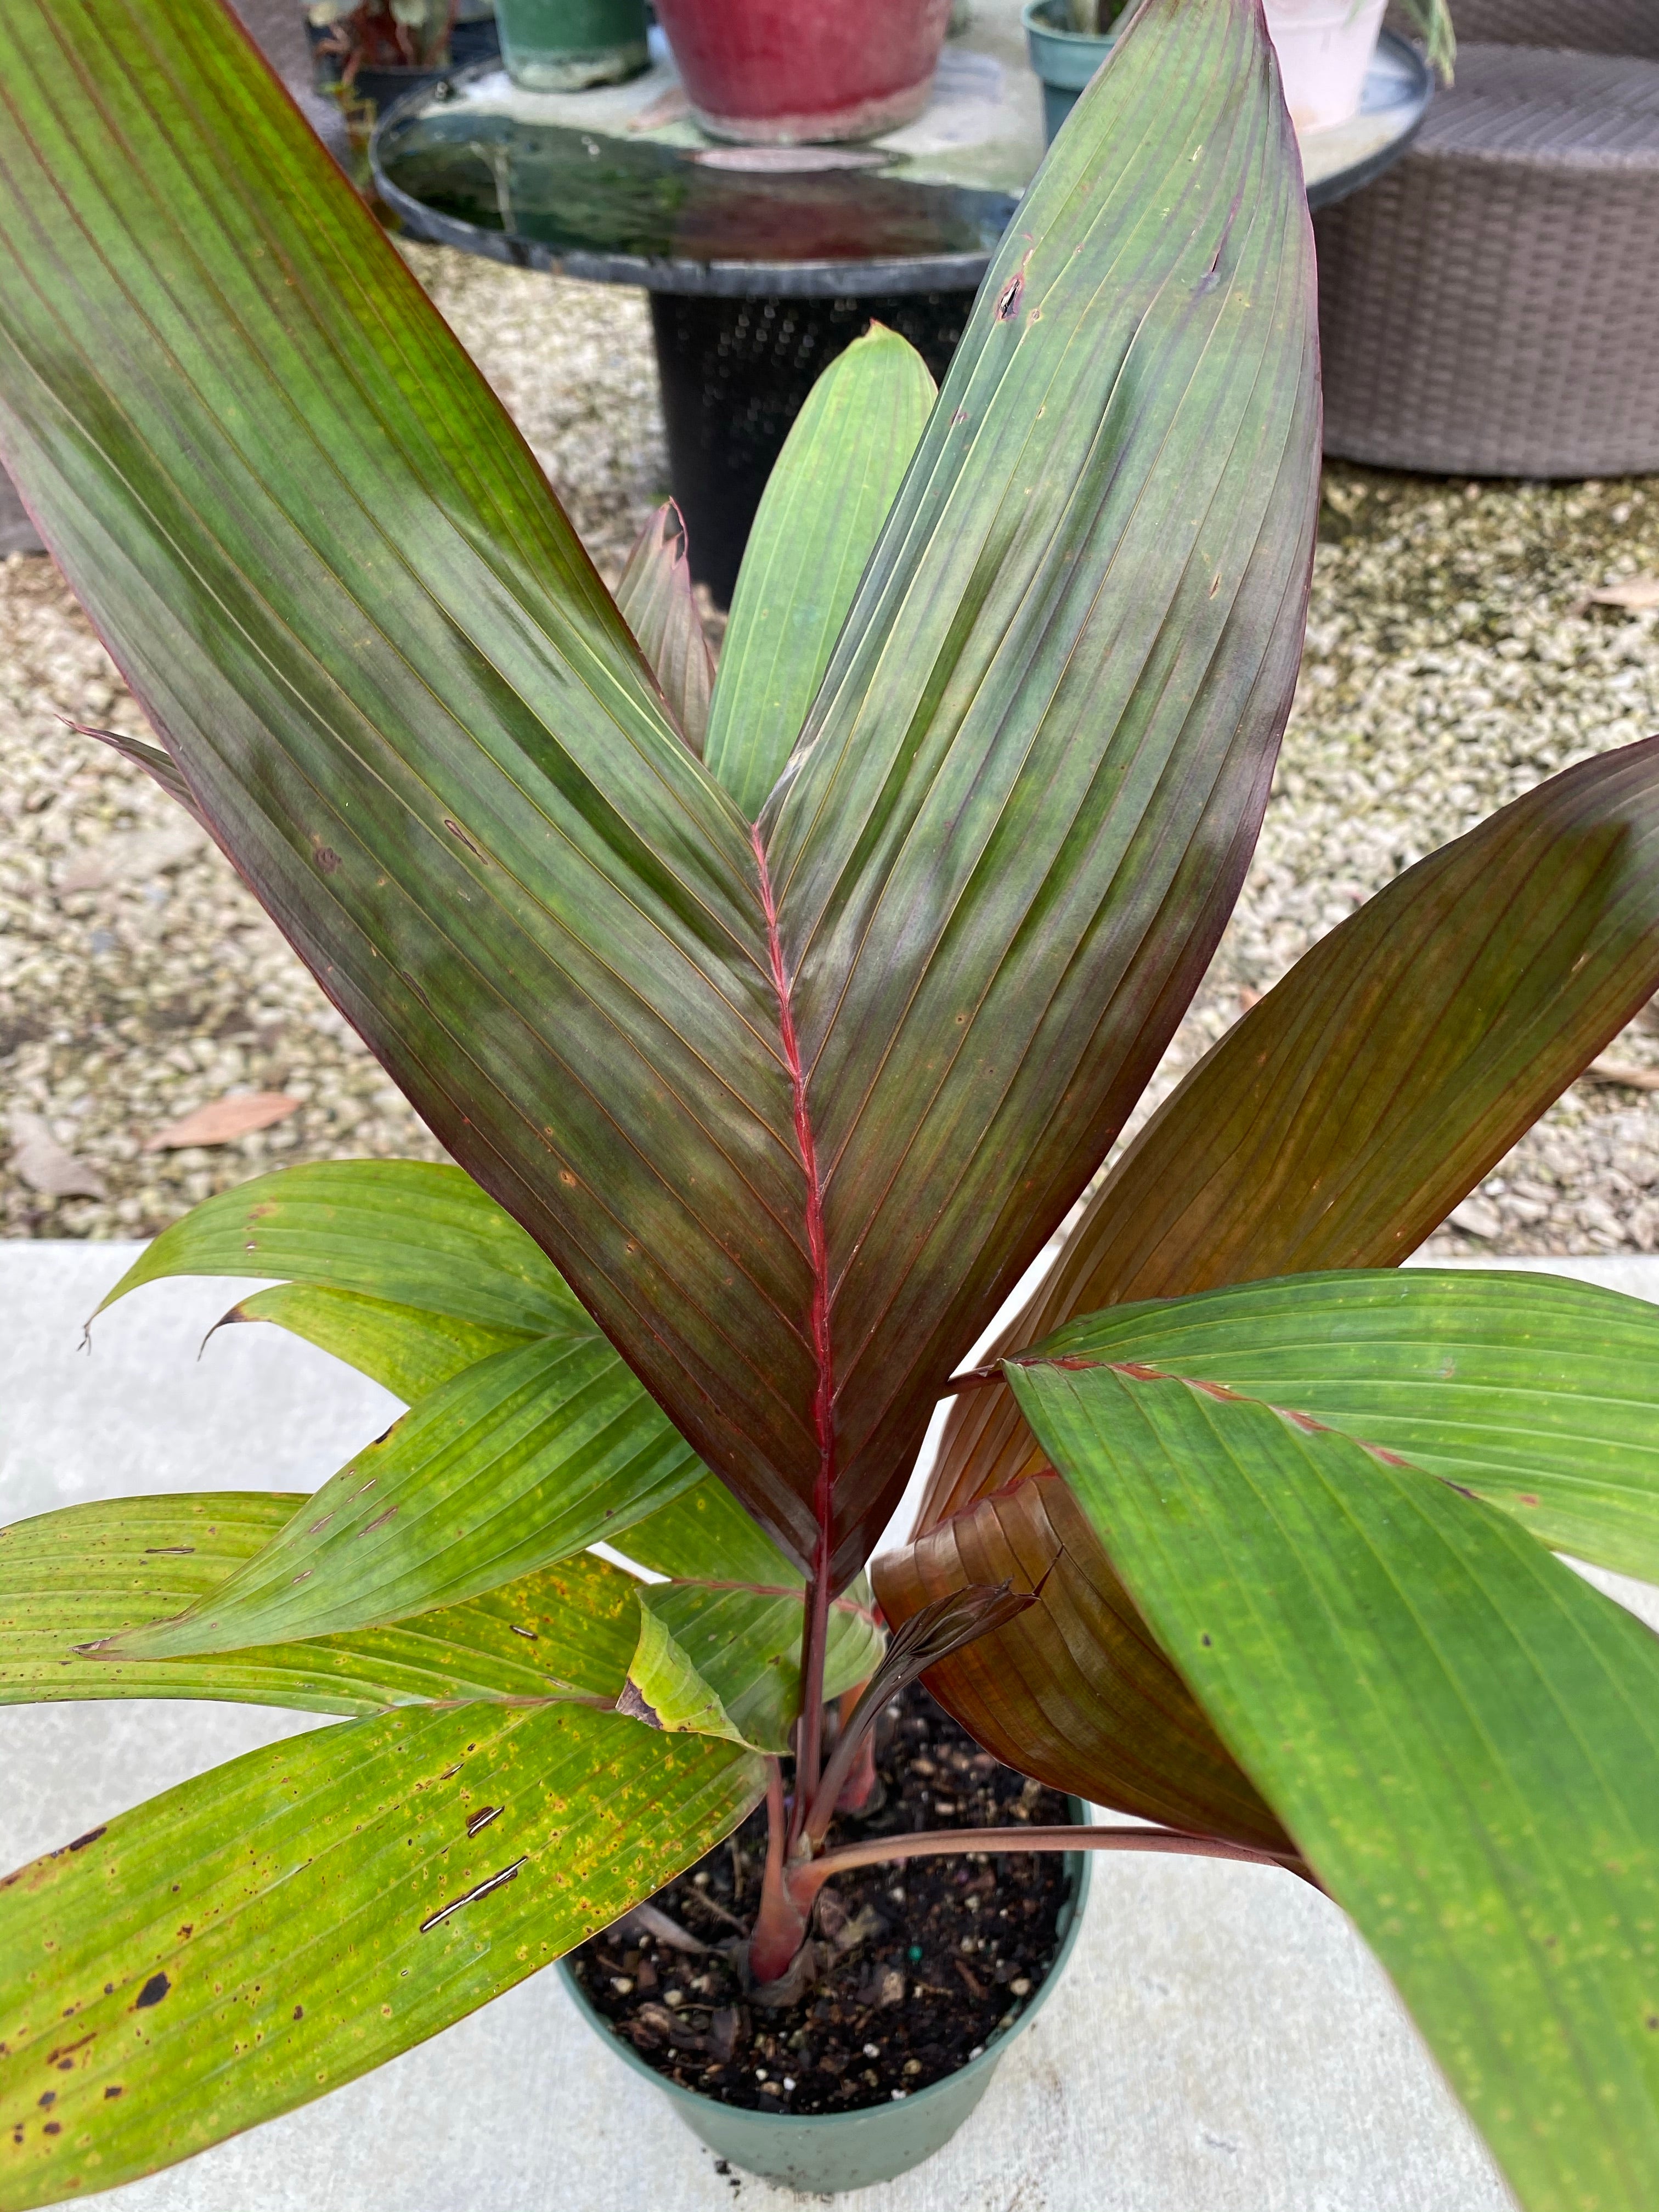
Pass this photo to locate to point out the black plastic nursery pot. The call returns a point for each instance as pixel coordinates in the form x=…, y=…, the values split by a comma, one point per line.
x=826, y=2153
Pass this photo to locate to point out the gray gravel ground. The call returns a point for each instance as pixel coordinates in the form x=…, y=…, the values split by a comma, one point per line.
x=1452, y=662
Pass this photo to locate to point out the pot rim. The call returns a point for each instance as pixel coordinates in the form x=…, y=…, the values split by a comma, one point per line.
x=1034, y=19
x=1079, y=1867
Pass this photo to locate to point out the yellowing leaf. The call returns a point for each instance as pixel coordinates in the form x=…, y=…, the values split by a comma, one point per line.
x=723, y=1659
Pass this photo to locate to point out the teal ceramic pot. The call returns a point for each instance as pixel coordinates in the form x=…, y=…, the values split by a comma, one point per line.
x=566, y=46
x=1064, y=59
x=822, y=2153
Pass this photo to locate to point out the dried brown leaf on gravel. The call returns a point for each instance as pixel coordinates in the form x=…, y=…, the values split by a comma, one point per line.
x=45, y=1165
x=226, y=1118
x=1636, y=593
x=1621, y=1071
x=129, y=856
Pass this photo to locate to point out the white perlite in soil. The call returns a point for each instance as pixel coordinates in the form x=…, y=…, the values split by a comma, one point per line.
x=1452, y=662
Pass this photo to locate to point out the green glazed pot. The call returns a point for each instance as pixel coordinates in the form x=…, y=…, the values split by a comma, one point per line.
x=566, y=46
x=823, y=2153
x=1064, y=59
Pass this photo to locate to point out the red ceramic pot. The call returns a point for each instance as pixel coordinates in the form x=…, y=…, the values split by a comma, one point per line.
x=790, y=72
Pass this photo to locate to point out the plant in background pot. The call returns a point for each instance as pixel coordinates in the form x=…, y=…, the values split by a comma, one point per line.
x=777, y=73
x=375, y=51
x=1067, y=40
x=1325, y=49
x=774, y=1030
x=565, y=45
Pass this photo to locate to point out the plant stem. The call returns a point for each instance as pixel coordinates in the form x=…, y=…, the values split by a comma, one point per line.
x=805, y=1880
x=858, y=1785
x=973, y=1378
x=780, y=1924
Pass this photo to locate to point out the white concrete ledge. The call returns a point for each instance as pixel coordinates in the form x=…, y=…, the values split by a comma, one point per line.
x=1223, y=2043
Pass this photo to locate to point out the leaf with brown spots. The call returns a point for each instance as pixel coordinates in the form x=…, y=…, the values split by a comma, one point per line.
x=77, y=1576
x=342, y=1914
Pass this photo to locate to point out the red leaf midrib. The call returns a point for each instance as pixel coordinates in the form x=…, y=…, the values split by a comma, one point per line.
x=817, y=1253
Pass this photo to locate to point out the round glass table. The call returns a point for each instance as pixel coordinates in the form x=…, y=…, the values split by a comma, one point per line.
x=763, y=262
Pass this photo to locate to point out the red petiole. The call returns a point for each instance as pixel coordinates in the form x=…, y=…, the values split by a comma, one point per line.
x=797, y=1867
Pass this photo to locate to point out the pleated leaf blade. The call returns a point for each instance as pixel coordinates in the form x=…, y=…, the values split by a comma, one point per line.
x=397, y=689
x=407, y=1232
x=84, y=1573
x=1461, y=1736
x=408, y=1351
x=704, y=1535
x=819, y=520
x=718, y=1659
x=1027, y=788
x=288, y=1922
x=520, y=1461
x=1537, y=1394
x=654, y=597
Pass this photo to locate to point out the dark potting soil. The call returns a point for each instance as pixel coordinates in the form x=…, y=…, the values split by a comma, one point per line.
x=926, y=1957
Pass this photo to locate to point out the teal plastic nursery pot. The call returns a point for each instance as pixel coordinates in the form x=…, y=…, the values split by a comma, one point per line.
x=566, y=46
x=1063, y=58
x=824, y=2152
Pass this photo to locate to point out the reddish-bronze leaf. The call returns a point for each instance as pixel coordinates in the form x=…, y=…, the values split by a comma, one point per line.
x=790, y=1105
x=1340, y=1121
x=654, y=597
x=1074, y=1690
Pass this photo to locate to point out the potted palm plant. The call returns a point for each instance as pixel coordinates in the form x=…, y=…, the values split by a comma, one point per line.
x=773, y=1028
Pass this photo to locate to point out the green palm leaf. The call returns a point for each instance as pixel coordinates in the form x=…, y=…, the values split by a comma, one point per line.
x=818, y=520
x=289, y=1921
x=1461, y=1736
x=404, y=1232
x=722, y=1660
x=1538, y=1394
x=704, y=1535
x=77, y=1576
x=406, y=1351
x=519, y=1460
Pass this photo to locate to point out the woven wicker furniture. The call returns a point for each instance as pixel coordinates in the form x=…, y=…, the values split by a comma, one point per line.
x=1593, y=26
x=1491, y=306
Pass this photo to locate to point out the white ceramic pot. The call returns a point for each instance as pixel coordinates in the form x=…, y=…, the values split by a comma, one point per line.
x=1325, y=48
